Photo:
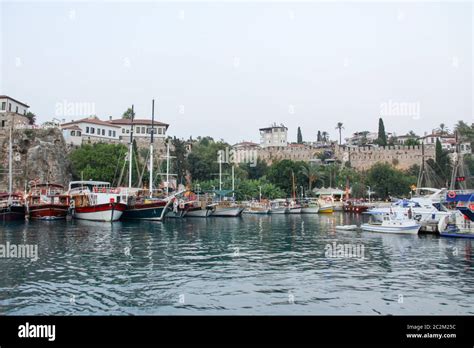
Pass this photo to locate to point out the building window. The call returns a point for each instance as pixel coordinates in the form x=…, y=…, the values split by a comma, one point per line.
x=87, y=129
x=113, y=133
x=4, y=105
x=103, y=132
x=16, y=110
x=123, y=130
x=92, y=130
x=138, y=130
x=73, y=133
x=128, y=131
x=9, y=106
x=110, y=133
x=78, y=133
x=143, y=130
x=3, y=123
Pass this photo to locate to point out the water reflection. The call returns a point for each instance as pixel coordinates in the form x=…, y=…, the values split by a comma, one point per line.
x=273, y=264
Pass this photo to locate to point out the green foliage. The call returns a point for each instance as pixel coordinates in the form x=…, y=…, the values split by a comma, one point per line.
x=260, y=169
x=99, y=161
x=128, y=114
x=311, y=172
x=299, y=136
x=203, y=159
x=180, y=162
x=442, y=165
x=31, y=118
x=280, y=174
x=382, y=136
x=411, y=142
x=387, y=181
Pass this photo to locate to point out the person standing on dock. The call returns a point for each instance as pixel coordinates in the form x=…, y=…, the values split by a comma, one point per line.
x=410, y=213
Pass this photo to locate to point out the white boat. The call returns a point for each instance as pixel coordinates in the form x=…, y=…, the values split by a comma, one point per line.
x=294, y=208
x=278, y=206
x=347, y=227
x=423, y=207
x=310, y=206
x=257, y=208
x=391, y=223
x=96, y=201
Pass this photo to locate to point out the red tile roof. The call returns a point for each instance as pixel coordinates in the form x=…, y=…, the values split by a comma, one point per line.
x=137, y=121
x=90, y=120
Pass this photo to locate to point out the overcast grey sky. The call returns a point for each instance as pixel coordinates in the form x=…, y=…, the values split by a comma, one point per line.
x=226, y=69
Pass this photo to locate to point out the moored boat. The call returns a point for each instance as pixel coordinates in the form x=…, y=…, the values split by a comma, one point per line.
x=12, y=207
x=227, y=209
x=96, y=201
x=391, y=223
x=310, y=206
x=47, y=202
x=279, y=206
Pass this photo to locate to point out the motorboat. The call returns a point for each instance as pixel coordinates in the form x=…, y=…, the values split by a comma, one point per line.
x=393, y=223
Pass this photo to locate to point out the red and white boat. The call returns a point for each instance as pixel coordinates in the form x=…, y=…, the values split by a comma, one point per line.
x=47, y=202
x=96, y=201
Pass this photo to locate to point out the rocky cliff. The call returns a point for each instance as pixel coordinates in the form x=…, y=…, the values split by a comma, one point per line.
x=37, y=154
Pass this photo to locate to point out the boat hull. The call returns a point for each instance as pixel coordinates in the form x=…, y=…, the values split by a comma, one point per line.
x=12, y=213
x=260, y=212
x=391, y=229
x=294, y=211
x=48, y=212
x=310, y=210
x=326, y=209
x=203, y=213
x=228, y=212
x=155, y=211
x=102, y=212
x=279, y=211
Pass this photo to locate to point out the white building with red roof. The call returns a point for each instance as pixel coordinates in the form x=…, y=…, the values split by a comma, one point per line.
x=90, y=129
x=141, y=128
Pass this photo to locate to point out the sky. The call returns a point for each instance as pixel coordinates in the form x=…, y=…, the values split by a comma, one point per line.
x=226, y=69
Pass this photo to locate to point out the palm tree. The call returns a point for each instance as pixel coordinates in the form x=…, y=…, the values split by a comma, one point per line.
x=340, y=128
x=311, y=172
x=443, y=129
x=325, y=136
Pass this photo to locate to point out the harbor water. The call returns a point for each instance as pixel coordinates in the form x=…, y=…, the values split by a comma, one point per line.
x=255, y=264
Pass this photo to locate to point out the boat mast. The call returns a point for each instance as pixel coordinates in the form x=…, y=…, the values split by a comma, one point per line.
x=151, y=145
x=220, y=174
x=130, y=153
x=167, y=167
x=293, y=185
x=10, y=162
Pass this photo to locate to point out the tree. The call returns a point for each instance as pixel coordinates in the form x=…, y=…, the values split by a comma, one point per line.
x=128, y=114
x=340, y=127
x=318, y=138
x=279, y=173
x=31, y=118
x=203, y=159
x=311, y=172
x=442, y=163
x=411, y=142
x=388, y=181
x=99, y=161
x=382, y=136
x=299, y=136
x=256, y=171
x=325, y=136
x=180, y=162
x=443, y=129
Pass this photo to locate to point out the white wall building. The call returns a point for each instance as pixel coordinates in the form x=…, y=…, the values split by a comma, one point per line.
x=8, y=104
x=93, y=129
x=141, y=128
x=274, y=136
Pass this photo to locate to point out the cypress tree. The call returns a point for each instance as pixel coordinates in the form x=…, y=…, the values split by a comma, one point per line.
x=382, y=138
x=299, y=136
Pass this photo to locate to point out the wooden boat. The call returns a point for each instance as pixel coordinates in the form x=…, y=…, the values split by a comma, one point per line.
x=47, y=202
x=96, y=201
x=355, y=207
x=12, y=207
x=326, y=205
x=257, y=208
x=393, y=224
x=145, y=208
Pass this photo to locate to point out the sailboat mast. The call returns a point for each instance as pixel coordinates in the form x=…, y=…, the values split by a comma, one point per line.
x=167, y=167
x=10, y=163
x=151, y=145
x=293, y=184
x=220, y=174
x=130, y=154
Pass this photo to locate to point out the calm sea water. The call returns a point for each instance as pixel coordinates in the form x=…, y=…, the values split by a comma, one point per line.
x=273, y=264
